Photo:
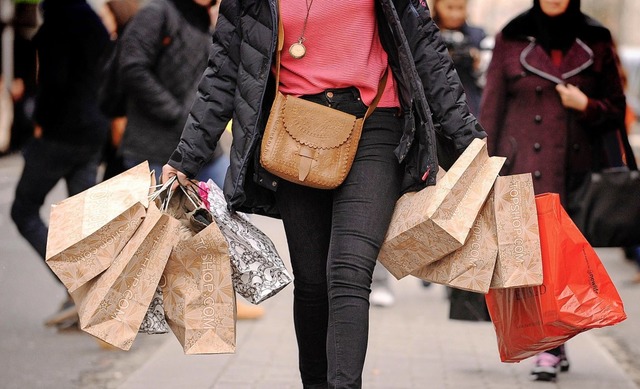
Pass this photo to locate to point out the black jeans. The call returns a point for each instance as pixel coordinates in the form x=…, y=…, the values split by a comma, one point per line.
x=334, y=237
x=45, y=163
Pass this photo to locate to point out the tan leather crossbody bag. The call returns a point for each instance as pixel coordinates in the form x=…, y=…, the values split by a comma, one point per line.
x=308, y=143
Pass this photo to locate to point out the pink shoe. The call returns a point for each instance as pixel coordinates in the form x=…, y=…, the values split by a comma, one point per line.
x=546, y=368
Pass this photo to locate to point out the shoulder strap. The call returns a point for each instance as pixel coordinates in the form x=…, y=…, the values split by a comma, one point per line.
x=628, y=150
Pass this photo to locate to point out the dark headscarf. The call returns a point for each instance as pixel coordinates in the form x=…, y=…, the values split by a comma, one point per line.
x=558, y=32
x=196, y=15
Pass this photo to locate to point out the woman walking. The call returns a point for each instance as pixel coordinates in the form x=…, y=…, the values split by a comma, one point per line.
x=335, y=54
x=552, y=99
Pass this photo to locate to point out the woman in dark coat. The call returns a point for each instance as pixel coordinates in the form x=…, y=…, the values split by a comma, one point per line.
x=553, y=90
x=334, y=236
x=553, y=94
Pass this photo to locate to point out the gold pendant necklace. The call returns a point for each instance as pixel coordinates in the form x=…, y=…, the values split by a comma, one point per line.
x=298, y=49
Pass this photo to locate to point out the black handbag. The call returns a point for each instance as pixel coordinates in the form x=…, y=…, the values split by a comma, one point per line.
x=467, y=306
x=606, y=205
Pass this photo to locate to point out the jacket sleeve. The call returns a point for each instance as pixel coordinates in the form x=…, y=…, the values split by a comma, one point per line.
x=442, y=85
x=492, y=105
x=142, y=44
x=606, y=110
x=213, y=106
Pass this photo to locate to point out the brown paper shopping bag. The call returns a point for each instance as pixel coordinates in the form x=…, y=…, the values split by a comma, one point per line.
x=198, y=293
x=199, y=299
x=88, y=230
x=519, y=261
x=471, y=266
x=431, y=223
x=113, y=305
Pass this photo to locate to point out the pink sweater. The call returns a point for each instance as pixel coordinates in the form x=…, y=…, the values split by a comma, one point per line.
x=343, y=50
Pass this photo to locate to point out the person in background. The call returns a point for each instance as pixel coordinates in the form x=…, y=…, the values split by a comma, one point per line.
x=24, y=90
x=630, y=252
x=334, y=236
x=464, y=44
x=553, y=93
x=23, y=85
x=163, y=51
x=70, y=129
x=633, y=253
x=115, y=15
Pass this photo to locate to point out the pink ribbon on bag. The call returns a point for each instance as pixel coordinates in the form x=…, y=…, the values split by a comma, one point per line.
x=203, y=192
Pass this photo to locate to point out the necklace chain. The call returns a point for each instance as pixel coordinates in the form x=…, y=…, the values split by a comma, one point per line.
x=297, y=49
x=304, y=26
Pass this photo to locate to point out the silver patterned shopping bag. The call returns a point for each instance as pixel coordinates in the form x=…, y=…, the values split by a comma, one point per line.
x=258, y=269
x=154, y=321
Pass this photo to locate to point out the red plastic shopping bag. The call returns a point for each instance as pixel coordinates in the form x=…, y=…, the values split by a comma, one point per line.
x=576, y=295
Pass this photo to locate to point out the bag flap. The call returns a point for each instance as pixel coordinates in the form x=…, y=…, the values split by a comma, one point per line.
x=516, y=218
x=79, y=216
x=457, y=178
x=468, y=176
x=315, y=125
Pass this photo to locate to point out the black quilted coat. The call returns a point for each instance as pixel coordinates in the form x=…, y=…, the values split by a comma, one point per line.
x=162, y=57
x=238, y=85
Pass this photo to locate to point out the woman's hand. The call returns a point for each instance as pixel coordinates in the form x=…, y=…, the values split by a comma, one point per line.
x=572, y=97
x=169, y=171
x=117, y=130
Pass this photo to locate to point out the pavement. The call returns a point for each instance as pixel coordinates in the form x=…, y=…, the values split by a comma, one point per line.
x=411, y=345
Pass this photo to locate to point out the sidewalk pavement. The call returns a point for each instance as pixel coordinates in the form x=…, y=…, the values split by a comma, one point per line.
x=412, y=344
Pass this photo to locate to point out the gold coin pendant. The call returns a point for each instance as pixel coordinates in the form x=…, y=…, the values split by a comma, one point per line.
x=297, y=50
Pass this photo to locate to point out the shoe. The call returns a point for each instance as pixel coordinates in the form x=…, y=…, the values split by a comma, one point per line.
x=71, y=324
x=564, y=365
x=106, y=346
x=66, y=314
x=248, y=312
x=546, y=368
x=564, y=362
x=381, y=297
x=629, y=252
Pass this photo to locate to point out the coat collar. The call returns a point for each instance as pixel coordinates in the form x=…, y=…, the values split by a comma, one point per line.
x=536, y=60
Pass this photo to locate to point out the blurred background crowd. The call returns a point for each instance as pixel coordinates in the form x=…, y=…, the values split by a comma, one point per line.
x=20, y=20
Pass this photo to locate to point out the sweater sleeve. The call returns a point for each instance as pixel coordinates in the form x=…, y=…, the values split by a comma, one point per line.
x=610, y=105
x=492, y=105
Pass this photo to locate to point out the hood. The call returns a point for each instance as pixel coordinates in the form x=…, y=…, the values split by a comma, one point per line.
x=530, y=25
